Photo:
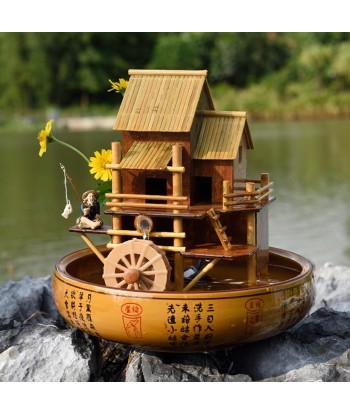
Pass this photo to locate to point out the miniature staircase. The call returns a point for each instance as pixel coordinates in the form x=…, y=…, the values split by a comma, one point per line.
x=219, y=229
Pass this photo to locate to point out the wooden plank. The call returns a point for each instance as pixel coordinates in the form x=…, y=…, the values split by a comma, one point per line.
x=198, y=150
x=210, y=113
x=128, y=102
x=124, y=110
x=179, y=100
x=150, y=197
x=157, y=121
x=174, y=88
x=183, y=109
x=156, y=83
x=137, y=104
x=207, y=138
x=162, y=72
x=214, y=140
x=157, y=105
x=237, y=252
x=148, y=81
x=188, y=117
x=237, y=137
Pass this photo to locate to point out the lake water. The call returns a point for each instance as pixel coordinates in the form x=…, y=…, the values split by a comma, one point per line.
x=308, y=161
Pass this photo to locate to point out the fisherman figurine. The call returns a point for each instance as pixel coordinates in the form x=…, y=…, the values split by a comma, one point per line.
x=90, y=208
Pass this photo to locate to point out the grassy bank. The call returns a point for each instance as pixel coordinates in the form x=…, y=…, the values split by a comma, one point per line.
x=295, y=102
x=261, y=101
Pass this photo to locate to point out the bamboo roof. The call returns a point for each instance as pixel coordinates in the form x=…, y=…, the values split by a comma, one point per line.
x=221, y=134
x=162, y=101
x=147, y=155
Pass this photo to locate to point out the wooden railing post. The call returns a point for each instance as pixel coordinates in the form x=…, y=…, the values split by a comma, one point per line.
x=251, y=238
x=264, y=181
x=225, y=190
x=116, y=188
x=177, y=222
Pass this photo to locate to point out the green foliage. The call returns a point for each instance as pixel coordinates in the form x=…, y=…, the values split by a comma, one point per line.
x=267, y=73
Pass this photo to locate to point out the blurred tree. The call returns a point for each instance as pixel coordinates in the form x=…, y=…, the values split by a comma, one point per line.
x=179, y=51
x=243, y=58
x=315, y=63
x=340, y=65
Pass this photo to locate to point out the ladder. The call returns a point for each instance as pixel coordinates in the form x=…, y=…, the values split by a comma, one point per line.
x=219, y=229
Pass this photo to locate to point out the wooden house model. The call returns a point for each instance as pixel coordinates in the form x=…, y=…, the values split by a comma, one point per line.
x=165, y=107
x=182, y=165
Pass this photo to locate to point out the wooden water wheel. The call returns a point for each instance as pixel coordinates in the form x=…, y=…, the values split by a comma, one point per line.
x=137, y=265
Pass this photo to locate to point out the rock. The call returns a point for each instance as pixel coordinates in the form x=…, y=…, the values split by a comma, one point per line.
x=322, y=338
x=38, y=353
x=199, y=367
x=27, y=299
x=332, y=287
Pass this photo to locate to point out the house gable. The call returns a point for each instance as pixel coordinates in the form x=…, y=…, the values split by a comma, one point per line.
x=221, y=134
x=163, y=101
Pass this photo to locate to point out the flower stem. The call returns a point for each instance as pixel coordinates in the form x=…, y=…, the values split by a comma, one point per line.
x=71, y=147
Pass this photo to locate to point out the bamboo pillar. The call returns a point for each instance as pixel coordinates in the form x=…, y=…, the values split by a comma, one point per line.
x=265, y=180
x=177, y=222
x=116, y=188
x=225, y=189
x=251, y=238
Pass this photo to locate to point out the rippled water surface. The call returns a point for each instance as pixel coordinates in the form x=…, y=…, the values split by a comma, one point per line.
x=308, y=162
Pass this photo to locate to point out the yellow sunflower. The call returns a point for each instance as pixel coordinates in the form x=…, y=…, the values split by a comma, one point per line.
x=98, y=164
x=119, y=86
x=43, y=137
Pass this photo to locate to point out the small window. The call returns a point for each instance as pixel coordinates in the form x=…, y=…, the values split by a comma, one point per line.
x=155, y=186
x=202, y=190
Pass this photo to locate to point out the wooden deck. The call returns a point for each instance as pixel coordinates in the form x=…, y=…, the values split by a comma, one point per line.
x=211, y=251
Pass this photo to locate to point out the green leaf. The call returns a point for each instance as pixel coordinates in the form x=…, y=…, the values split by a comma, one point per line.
x=103, y=188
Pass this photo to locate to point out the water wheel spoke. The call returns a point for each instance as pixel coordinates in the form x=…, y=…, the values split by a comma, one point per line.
x=116, y=265
x=136, y=286
x=144, y=279
x=143, y=285
x=151, y=272
x=117, y=275
x=132, y=255
x=121, y=283
x=150, y=262
x=129, y=287
x=142, y=256
x=126, y=262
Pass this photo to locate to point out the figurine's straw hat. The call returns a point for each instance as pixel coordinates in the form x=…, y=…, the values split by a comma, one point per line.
x=96, y=194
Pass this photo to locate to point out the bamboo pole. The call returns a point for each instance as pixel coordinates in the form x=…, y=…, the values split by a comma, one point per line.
x=226, y=192
x=177, y=222
x=251, y=270
x=243, y=194
x=171, y=248
x=247, y=180
x=175, y=169
x=116, y=188
x=204, y=271
x=147, y=205
x=264, y=198
x=251, y=235
x=150, y=197
x=251, y=239
x=178, y=72
x=242, y=202
x=181, y=235
x=113, y=166
x=93, y=248
x=265, y=180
